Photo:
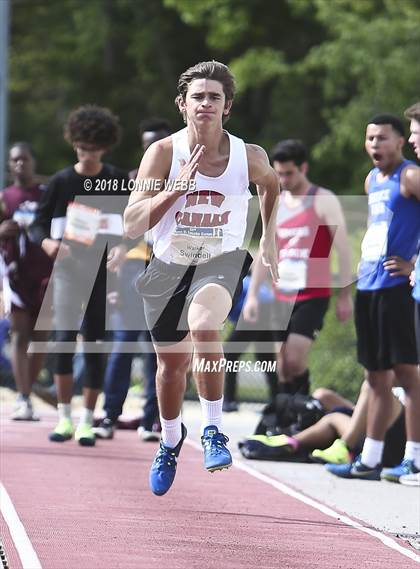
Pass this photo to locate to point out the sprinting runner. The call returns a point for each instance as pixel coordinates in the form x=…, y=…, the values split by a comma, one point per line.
x=198, y=265
x=26, y=269
x=309, y=220
x=77, y=235
x=384, y=306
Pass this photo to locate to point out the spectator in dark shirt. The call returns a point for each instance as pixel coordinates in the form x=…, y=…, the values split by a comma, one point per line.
x=79, y=219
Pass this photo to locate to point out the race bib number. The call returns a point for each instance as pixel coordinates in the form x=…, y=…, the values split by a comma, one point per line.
x=82, y=224
x=195, y=245
x=292, y=275
x=24, y=218
x=375, y=242
x=25, y=214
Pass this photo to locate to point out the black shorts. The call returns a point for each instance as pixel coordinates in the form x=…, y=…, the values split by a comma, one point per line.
x=385, y=328
x=304, y=317
x=394, y=444
x=168, y=289
x=417, y=327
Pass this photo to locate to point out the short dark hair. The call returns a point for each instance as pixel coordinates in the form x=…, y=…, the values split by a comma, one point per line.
x=387, y=118
x=290, y=150
x=207, y=70
x=154, y=125
x=22, y=144
x=93, y=125
x=413, y=112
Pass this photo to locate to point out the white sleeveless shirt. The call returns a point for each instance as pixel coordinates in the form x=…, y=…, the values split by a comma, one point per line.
x=209, y=219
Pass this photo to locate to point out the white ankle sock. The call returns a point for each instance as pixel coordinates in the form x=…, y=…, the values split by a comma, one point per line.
x=64, y=410
x=372, y=452
x=412, y=452
x=211, y=413
x=171, y=431
x=86, y=417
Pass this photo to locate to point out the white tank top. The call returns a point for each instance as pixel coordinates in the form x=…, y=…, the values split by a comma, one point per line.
x=211, y=218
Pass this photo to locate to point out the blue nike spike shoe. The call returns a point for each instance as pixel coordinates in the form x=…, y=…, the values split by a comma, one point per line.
x=216, y=454
x=163, y=469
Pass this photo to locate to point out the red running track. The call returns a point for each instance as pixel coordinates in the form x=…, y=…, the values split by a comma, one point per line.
x=90, y=508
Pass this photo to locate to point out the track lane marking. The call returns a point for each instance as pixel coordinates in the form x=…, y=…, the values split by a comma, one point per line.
x=18, y=533
x=386, y=540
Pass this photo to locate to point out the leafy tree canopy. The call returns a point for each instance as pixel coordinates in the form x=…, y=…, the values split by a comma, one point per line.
x=311, y=69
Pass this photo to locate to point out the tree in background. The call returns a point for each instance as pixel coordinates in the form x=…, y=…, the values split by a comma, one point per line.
x=117, y=53
x=368, y=63
x=313, y=69
x=317, y=69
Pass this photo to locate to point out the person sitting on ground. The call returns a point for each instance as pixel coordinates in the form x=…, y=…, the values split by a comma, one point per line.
x=336, y=437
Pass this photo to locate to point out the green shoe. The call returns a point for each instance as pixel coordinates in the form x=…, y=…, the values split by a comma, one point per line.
x=337, y=453
x=271, y=440
x=84, y=435
x=63, y=431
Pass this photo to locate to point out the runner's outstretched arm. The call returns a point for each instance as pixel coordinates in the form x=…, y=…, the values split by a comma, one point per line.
x=265, y=178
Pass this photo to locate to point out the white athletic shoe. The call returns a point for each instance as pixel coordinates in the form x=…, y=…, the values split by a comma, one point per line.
x=105, y=429
x=410, y=479
x=24, y=412
x=148, y=436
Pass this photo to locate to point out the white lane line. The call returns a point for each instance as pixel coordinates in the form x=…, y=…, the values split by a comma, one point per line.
x=20, y=538
x=386, y=540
